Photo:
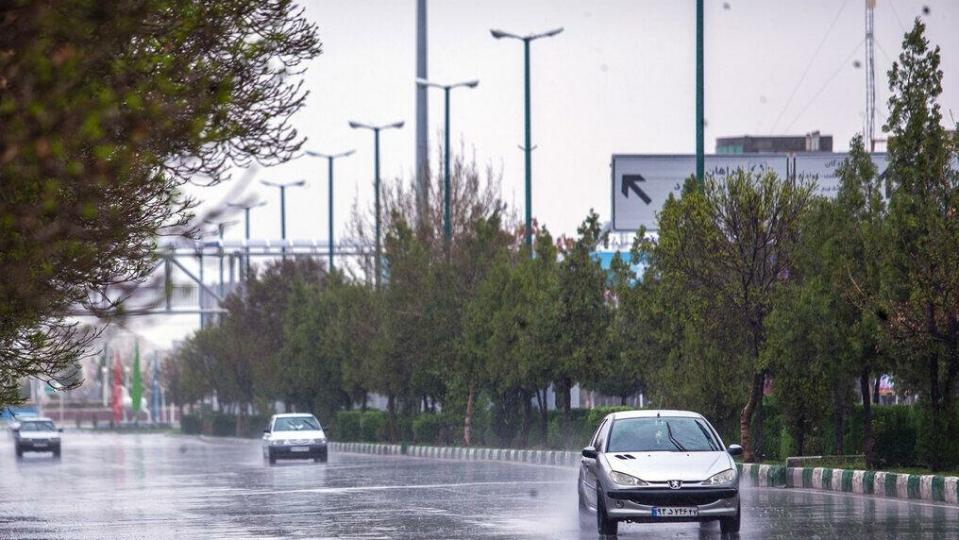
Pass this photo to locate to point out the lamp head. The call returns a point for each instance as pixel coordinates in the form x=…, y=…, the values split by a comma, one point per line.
x=551, y=33
x=499, y=34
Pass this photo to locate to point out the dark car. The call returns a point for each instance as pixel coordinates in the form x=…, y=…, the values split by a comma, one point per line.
x=659, y=466
x=36, y=434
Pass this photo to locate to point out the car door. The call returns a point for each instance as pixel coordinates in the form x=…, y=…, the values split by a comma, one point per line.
x=588, y=466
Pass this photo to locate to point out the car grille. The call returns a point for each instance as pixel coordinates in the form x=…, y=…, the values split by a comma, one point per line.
x=299, y=442
x=681, y=497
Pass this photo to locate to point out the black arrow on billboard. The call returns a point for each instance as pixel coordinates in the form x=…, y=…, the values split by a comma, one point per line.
x=631, y=182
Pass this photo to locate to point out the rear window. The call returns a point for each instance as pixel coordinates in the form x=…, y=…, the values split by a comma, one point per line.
x=668, y=434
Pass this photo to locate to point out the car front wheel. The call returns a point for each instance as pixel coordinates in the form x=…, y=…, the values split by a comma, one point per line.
x=272, y=457
x=731, y=525
x=605, y=525
x=19, y=451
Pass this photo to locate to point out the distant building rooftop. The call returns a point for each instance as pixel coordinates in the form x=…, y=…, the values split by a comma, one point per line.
x=747, y=144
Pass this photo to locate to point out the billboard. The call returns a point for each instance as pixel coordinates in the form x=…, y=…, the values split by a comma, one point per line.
x=642, y=183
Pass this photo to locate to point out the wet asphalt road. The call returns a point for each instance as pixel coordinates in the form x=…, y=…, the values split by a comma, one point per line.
x=151, y=487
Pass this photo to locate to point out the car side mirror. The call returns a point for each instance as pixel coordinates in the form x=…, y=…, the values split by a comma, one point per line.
x=590, y=452
x=735, y=450
x=266, y=431
x=60, y=430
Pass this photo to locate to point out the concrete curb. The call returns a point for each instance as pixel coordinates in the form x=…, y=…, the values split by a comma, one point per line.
x=537, y=457
x=933, y=488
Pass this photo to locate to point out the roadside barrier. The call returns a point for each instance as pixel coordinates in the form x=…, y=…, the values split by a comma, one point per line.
x=933, y=488
x=538, y=457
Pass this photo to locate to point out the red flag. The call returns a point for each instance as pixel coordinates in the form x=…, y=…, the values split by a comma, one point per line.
x=116, y=401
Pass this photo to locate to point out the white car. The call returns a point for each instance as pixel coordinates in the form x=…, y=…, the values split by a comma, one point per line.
x=294, y=436
x=36, y=434
x=659, y=466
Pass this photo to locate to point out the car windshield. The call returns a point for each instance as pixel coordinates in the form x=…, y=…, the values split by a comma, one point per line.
x=299, y=423
x=37, y=426
x=662, y=435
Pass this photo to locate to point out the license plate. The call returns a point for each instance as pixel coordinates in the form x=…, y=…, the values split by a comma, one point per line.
x=300, y=449
x=40, y=445
x=676, y=511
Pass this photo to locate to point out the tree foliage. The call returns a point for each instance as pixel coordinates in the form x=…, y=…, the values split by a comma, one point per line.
x=921, y=281
x=108, y=109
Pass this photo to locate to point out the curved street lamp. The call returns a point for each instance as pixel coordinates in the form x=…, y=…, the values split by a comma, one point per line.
x=447, y=231
x=499, y=34
x=376, y=181
x=246, y=209
x=330, y=158
x=283, y=187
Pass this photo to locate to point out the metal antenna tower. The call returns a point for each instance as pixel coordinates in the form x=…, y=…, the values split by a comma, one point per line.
x=870, y=78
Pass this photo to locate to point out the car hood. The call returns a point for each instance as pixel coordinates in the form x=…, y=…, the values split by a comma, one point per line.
x=298, y=435
x=666, y=466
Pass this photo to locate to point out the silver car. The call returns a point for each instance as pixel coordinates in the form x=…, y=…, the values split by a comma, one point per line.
x=36, y=434
x=659, y=466
x=294, y=436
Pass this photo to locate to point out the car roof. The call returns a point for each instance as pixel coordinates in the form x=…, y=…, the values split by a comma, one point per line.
x=293, y=415
x=34, y=419
x=652, y=413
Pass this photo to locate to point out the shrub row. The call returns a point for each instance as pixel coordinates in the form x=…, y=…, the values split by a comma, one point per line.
x=895, y=428
x=218, y=424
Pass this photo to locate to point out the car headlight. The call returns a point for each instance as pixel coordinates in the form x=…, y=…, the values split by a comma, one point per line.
x=724, y=477
x=625, y=479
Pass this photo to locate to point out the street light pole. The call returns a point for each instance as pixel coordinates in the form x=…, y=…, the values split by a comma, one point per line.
x=246, y=210
x=447, y=228
x=376, y=183
x=283, y=187
x=330, y=158
x=700, y=107
x=499, y=34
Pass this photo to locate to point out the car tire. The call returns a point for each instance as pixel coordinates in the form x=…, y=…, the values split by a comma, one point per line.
x=321, y=459
x=56, y=453
x=586, y=520
x=271, y=457
x=731, y=525
x=605, y=525
x=19, y=451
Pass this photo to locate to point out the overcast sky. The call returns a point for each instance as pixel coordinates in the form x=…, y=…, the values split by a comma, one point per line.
x=619, y=79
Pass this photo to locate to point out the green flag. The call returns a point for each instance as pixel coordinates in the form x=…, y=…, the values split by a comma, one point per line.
x=136, y=390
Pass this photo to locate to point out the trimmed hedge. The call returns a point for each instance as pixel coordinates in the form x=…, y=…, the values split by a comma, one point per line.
x=896, y=429
x=222, y=425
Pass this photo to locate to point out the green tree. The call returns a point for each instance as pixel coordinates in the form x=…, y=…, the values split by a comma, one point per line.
x=581, y=316
x=727, y=250
x=257, y=316
x=107, y=111
x=623, y=373
x=310, y=359
x=921, y=285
